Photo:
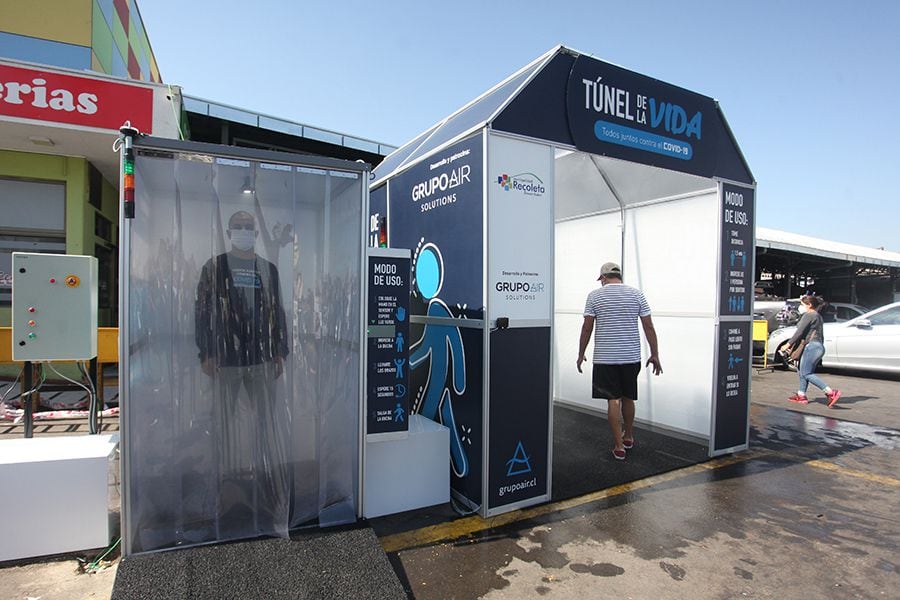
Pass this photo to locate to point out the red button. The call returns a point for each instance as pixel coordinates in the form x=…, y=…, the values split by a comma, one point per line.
x=31, y=309
x=31, y=323
x=52, y=280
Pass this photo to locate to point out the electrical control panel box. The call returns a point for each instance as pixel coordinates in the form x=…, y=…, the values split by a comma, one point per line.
x=54, y=307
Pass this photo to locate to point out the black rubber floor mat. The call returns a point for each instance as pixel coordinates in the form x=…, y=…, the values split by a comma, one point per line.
x=345, y=563
x=583, y=460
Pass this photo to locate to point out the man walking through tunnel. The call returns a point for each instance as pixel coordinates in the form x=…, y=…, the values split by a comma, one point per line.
x=612, y=312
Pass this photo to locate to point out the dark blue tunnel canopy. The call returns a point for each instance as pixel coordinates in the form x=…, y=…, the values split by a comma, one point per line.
x=575, y=100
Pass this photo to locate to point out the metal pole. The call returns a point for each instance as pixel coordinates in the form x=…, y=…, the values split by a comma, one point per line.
x=27, y=406
x=126, y=215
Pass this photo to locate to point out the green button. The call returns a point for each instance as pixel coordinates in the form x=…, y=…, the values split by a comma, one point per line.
x=32, y=335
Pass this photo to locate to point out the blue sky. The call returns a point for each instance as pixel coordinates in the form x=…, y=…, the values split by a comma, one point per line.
x=810, y=89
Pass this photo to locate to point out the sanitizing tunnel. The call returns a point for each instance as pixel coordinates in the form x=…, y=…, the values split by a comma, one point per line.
x=241, y=363
x=509, y=207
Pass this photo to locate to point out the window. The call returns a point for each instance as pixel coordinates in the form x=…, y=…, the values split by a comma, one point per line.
x=845, y=313
x=102, y=227
x=32, y=206
x=95, y=187
x=890, y=316
x=15, y=243
x=33, y=218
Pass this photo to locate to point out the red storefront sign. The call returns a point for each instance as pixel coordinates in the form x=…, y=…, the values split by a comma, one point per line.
x=47, y=96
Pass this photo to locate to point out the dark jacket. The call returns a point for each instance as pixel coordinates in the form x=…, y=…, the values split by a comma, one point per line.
x=229, y=327
x=809, y=328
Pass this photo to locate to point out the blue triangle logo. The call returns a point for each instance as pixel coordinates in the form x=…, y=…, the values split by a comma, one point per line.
x=520, y=463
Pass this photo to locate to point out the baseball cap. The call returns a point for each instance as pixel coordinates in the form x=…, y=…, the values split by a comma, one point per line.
x=610, y=268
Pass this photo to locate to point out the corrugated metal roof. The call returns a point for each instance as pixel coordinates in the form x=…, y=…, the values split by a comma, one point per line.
x=254, y=119
x=793, y=242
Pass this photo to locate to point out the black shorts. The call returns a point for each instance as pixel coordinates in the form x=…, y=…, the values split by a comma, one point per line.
x=615, y=381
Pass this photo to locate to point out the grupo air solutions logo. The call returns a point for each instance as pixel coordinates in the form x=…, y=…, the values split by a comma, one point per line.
x=527, y=183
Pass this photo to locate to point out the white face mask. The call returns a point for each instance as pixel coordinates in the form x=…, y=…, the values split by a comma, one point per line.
x=802, y=308
x=242, y=239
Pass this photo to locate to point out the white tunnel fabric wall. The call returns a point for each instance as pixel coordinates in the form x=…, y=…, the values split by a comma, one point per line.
x=670, y=253
x=242, y=407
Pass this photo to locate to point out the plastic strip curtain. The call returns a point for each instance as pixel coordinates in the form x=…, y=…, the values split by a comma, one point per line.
x=244, y=349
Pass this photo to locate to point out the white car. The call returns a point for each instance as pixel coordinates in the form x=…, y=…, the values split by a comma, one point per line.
x=870, y=341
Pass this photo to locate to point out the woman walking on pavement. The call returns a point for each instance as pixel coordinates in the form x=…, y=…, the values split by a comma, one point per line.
x=809, y=331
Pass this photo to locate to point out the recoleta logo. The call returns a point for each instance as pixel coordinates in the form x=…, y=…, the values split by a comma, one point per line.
x=527, y=183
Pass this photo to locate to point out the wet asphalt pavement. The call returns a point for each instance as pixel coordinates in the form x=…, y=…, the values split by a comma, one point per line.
x=810, y=511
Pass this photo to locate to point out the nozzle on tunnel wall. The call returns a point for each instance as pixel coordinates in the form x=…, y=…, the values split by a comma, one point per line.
x=502, y=322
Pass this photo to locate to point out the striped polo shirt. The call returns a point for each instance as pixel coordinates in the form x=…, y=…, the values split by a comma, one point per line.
x=616, y=308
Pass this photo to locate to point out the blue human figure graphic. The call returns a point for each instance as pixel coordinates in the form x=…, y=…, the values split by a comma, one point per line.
x=399, y=362
x=399, y=342
x=398, y=413
x=442, y=344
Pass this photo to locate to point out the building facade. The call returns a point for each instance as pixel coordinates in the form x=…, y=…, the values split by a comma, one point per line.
x=72, y=72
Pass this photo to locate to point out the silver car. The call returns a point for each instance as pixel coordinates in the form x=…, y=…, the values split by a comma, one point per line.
x=833, y=312
x=870, y=341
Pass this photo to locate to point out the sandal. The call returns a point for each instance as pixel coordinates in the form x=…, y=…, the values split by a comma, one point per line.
x=628, y=443
x=618, y=454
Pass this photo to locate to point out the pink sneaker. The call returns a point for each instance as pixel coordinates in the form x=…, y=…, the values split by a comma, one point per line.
x=797, y=398
x=833, y=397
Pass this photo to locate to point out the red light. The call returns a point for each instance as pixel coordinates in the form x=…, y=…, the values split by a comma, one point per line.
x=52, y=280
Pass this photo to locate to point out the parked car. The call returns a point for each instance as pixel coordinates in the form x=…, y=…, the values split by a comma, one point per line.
x=870, y=341
x=767, y=308
x=834, y=312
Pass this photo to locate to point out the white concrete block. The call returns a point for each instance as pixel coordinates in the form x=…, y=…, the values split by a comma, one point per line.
x=56, y=490
x=408, y=473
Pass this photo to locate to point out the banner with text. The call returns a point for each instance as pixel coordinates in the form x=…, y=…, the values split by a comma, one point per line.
x=737, y=251
x=91, y=102
x=387, y=336
x=519, y=440
x=520, y=229
x=734, y=343
x=619, y=113
x=436, y=210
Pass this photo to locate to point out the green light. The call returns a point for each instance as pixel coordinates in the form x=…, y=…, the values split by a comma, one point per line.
x=129, y=167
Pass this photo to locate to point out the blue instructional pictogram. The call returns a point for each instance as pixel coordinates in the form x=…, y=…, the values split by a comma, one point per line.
x=399, y=362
